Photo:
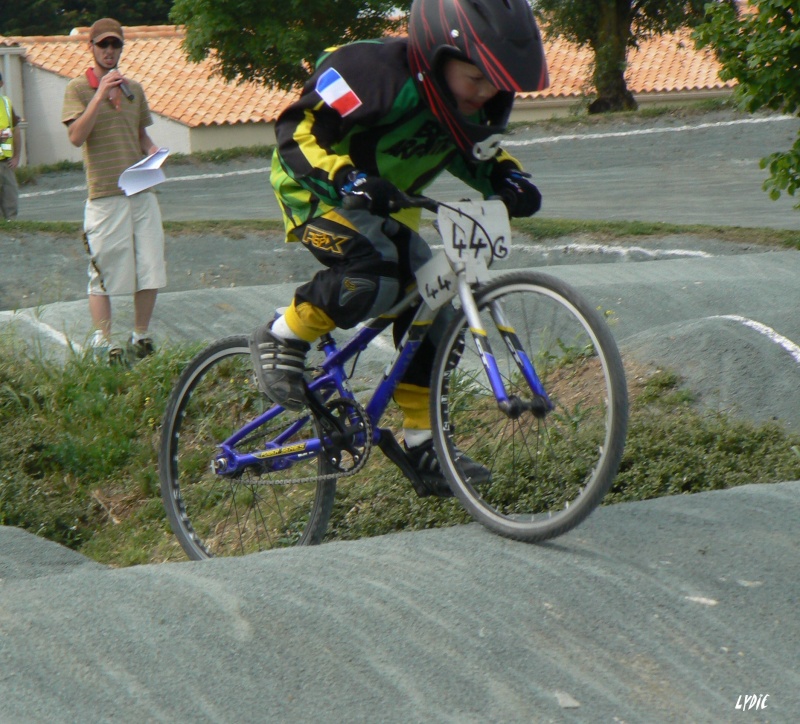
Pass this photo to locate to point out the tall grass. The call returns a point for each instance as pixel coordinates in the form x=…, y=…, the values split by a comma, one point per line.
x=79, y=446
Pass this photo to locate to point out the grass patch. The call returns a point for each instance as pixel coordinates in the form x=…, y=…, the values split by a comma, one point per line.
x=80, y=445
x=541, y=228
x=536, y=228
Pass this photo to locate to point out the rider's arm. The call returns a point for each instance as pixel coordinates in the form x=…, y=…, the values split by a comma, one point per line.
x=479, y=175
x=355, y=87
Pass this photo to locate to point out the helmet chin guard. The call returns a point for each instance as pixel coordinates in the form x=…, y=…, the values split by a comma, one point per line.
x=486, y=149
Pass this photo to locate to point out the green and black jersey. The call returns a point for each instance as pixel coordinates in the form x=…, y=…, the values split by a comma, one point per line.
x=361, y=109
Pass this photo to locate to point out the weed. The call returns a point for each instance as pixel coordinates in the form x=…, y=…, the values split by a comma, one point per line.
x=80, y=445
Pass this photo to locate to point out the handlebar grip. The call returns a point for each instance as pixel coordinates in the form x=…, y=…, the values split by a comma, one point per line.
x=353, y=202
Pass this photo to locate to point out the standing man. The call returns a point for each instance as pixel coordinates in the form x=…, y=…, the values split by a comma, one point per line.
x=9, y=157
x=107, y=115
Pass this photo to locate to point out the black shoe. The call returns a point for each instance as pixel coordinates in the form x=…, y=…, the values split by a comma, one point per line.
x=279, y=365
x=426, y=463
x=116, y=356
x=140, y=349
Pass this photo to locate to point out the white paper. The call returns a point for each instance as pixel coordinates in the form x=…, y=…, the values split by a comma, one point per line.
x=144, y=174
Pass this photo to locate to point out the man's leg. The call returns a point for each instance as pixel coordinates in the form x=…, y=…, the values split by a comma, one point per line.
x=144, y=302
x=8, y=192
x=100, y=311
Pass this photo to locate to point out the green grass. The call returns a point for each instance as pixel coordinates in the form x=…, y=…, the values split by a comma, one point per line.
x=80, y=444
x=536, y=228
x=541, y=228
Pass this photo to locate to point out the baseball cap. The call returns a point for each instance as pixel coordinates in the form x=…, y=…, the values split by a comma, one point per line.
x=105, y=28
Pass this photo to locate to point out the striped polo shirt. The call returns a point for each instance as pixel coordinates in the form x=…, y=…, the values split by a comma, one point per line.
x=113, y=144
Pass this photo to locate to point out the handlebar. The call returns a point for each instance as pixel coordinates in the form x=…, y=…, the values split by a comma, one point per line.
x=354, y=202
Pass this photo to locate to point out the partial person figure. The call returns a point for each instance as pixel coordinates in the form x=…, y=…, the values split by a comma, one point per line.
x=378, y=118
x=107, y=115
x=9, y=157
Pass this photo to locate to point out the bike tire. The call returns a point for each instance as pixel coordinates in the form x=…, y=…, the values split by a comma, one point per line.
x=547, y=474
x=213, y=515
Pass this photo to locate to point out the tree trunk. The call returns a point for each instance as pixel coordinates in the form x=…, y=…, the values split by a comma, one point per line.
x=610, y=58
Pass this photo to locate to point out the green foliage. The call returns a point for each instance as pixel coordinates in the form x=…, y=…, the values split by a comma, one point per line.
x=761, y=50
x=610, y=28
x=58, y=17
x=277, y=43
x=79, y=440
x=79, y=446
x=673, y=448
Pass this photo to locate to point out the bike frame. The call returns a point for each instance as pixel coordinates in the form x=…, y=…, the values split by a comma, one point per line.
x=279, y=454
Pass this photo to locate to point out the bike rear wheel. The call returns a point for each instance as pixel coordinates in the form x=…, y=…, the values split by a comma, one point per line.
x=215, y=515
x=548, y=472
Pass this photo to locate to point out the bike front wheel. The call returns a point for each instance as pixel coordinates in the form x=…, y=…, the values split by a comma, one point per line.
x=546, y=470
x=217, y=515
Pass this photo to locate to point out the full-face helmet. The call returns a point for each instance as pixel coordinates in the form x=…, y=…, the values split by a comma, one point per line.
x=500, y=37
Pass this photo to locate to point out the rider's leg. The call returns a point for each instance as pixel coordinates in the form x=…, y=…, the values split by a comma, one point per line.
x=360, y=281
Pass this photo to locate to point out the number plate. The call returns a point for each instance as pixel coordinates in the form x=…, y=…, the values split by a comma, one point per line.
x=436, y=281
x=475, y=230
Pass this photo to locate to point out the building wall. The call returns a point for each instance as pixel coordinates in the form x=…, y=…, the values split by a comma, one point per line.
x=209, y=138
x=46, y=137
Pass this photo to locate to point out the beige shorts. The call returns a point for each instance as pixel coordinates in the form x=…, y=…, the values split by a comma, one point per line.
x=125, y=241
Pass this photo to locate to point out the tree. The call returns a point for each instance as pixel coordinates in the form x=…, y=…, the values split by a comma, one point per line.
x=610, y=28
x=58, y=17
x=277, y=42
x=760, y=48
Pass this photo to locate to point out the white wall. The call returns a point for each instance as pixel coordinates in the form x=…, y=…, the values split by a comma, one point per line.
x=46, y=138
x=210, y=138
x=169, y=134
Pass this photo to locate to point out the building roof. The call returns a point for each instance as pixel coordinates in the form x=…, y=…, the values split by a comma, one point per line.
x=191, y=94
x=662, y=64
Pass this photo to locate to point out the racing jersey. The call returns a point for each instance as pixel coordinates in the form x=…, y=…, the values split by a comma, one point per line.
x=362, y=110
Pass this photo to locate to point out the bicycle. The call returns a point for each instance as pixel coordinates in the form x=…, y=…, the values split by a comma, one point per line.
x=527, y=381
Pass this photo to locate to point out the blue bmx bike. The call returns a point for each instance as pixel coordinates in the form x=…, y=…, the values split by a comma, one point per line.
x=527, y=382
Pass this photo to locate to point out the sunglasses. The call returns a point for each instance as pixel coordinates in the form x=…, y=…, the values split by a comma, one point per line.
x=113, y=42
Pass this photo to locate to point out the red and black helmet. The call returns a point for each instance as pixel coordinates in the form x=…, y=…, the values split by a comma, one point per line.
x=500, y=37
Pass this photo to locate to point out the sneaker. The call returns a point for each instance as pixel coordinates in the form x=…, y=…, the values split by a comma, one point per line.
x=140, y=349
x=103, y=349
x=116, y=355
x=279, y=365
x=426, y=463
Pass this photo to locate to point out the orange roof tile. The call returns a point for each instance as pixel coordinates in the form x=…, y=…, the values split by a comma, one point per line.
x=660, y=64
x=183, y=91
x=190, y=94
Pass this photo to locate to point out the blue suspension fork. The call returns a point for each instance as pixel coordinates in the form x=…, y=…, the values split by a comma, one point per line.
x=511, y=405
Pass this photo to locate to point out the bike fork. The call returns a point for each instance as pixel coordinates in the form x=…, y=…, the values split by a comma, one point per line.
x=513, y=406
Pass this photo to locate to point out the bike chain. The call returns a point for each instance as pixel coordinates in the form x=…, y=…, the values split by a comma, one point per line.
x=342, y=473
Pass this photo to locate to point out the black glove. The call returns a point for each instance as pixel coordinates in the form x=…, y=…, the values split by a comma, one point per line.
x=519, y=195
x=381, y=196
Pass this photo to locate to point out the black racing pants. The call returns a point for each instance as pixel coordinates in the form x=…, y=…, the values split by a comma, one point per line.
x=369, y=264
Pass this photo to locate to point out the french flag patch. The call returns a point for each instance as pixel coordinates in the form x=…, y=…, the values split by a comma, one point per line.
x=333, y=89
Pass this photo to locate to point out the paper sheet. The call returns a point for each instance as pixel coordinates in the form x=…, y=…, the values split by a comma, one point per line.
x=144, y=174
